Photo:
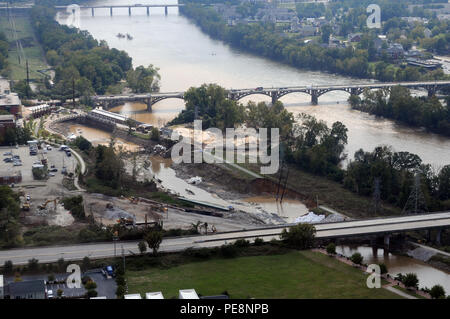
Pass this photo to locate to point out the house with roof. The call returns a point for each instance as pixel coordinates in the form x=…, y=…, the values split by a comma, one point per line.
x=30, y=289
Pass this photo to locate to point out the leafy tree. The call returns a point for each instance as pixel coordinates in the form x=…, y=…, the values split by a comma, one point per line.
x=142, y=247
x=325, y=33
x=33, y=264
x=51, y=277
x=143, y=80
x=120, y=291
x=90, y=285
x=213, y=106
x=437, y=292
x=82, y=143
x=356, y=258
x=153, y=239
x=155, y=134
x=410, y=280
x=383, y=269
x=331, y=249
x=8, y=267
x=86, y=264
x=300, y=236
x=92, y=293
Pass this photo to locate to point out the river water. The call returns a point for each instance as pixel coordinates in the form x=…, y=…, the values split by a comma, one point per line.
x=428, y=276
x=187, y=57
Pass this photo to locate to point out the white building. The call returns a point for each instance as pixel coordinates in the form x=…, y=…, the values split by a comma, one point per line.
x=154, y=295
x=133, y=296
x=2, y=293
x=188, y=294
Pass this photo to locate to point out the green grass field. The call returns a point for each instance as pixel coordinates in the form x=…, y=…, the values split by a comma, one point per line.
x=298, y=274
x=33, y=51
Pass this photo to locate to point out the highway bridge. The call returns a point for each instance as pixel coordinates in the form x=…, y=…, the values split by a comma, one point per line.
x=274, y=93
x=356, y=228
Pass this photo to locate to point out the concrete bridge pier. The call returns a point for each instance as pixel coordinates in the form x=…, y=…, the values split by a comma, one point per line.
x=129, y=11
x=387, y=240
x=110, y=11
x=148, y=11
x=166, y=10
x=149, y=104
x=274, y=98
x=314, y=97
x=438, y=236
x=92, y=11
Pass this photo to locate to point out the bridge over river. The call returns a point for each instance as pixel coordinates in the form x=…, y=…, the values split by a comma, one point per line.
x=129, y=6
x=275, y=92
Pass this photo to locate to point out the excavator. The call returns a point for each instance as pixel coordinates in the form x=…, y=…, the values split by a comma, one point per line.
x=43, y=206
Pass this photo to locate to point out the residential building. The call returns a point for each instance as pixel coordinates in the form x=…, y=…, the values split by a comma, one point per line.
x=354, y=37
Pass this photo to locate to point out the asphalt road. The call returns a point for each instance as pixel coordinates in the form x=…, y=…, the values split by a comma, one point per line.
x=342, y=229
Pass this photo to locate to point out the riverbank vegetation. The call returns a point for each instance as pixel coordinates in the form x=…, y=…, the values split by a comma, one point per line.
x=4, y=47
x=81, y=62
x=362, y=59
x=398, y=104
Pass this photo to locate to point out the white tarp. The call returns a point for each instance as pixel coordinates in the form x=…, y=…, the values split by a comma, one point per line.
x=309, y=218
x=195, y=180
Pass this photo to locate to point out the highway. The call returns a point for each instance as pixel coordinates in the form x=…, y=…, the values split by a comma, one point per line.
x=331, y=230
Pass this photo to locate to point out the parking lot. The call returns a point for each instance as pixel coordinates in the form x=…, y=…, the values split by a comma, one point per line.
x=39, y=191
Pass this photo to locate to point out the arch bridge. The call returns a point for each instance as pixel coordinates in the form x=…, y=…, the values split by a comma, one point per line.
x=275, y=92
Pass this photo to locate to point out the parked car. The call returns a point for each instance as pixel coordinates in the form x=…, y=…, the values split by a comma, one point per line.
x=7, y=160
x=28, y=197
x=17, y=163
x=49, y=148
x=7, y=154
x=53, y=169
x=51, y=174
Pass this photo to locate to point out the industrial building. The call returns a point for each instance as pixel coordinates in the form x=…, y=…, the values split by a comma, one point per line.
x=10, y=177
x=9, y=101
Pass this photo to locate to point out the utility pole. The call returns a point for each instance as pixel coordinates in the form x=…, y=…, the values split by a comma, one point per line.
x=285, y=184
x=73, y=92
x=123, y=258
x=28, y=78
x=416, y=202
x=376, y=196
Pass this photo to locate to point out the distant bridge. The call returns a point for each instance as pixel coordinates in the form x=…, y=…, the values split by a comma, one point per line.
x=275, y=93
x=129, y=6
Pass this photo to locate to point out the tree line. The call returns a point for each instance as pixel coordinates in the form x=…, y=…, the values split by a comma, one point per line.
x=399, y=105
x=4, y=47
x=81, y=63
